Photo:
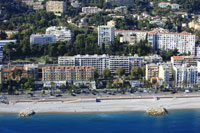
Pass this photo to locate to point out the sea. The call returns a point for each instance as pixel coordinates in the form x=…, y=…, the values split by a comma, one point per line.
x=187, y=121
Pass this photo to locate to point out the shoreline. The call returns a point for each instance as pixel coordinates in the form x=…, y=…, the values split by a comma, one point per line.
x=109, y=112
x=84, y=106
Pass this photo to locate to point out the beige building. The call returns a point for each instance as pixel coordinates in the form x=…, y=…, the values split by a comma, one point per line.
x=111, y=23
x=57, y=7
x=194, y=25
x=36, y=4
x=68, y=73
x=121, y=9
x=165, y=73
x=151, y=71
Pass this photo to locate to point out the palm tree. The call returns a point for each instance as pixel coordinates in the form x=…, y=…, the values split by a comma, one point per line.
x=184, y=83
x=52, y=86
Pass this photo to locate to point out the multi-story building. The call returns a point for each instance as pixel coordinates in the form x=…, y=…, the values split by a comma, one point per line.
x=120, y=2
x=61, y=33
x=175, y=6
x=121, y=9
x=10, y=32
x=195, y=25
x=187, y=60
x=183, y=42
x=90, y=10
x=131, y=36
x=36, y=4
x=119, y=61
x=32, y=70
x=67, y=73
x=2, y=43
x=136, y=61
x=177, y=60
x=42, y=38
x=106, y=34
x=164, y=73
x=185, y=76
x=191, y=60
x=57, y=7
x=67, y=61
x=75, y=3
x=99, y=62
x=111, y=23
x=164, y=4
x=153, y=59
x=151, y=71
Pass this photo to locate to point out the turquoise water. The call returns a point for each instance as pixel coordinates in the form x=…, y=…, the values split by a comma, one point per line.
x=136, y=122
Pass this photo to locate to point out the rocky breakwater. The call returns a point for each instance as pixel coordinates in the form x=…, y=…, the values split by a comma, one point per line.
x=156, y=111
x=26, y=113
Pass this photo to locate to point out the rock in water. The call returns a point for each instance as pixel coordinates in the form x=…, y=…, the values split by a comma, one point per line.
x=26, y=113
x=156, y=111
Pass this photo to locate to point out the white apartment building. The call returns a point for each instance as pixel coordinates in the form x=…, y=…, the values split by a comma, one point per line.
x=99, y=62
x=153, y=59
x=177, y=60
x=42, y=38
x=105, y=34
x=90, y=10
x=120, y=2
x=184, y=42
x=136, y=61
x=175, y=6
x=164, y=4
x=182, y=74
x=66, y=61
x=75, y=3
x=119, y=61
x=62, y=33
x=131, y=36
x=164, y=73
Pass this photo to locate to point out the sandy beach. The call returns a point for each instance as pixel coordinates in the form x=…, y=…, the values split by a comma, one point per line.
x=80, y=105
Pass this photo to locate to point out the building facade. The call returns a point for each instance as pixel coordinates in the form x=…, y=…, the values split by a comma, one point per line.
x=57, y=7
x=90, y=10
x=152, y=70
x=106, y=34
x=185, y=76
x=62, y=33
x=99, y=62
x=120, y=2
x=131, y=36
x=2, y=44
x=164, y=73
x=183, y=42
x=42, y=38
x=67, y=73
x=119, y=61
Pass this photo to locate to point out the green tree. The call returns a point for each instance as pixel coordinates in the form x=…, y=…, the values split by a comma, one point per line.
x=137, y=72
x=96, y=75
x=184, y=83
x=120, y=71
x=106, y=73
x=3, y=35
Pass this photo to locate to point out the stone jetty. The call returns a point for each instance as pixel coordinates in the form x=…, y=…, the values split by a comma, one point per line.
x=156, y=111
x=26, y=113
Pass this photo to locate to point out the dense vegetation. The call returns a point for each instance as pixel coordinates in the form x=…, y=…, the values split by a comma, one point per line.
x=27, y=21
